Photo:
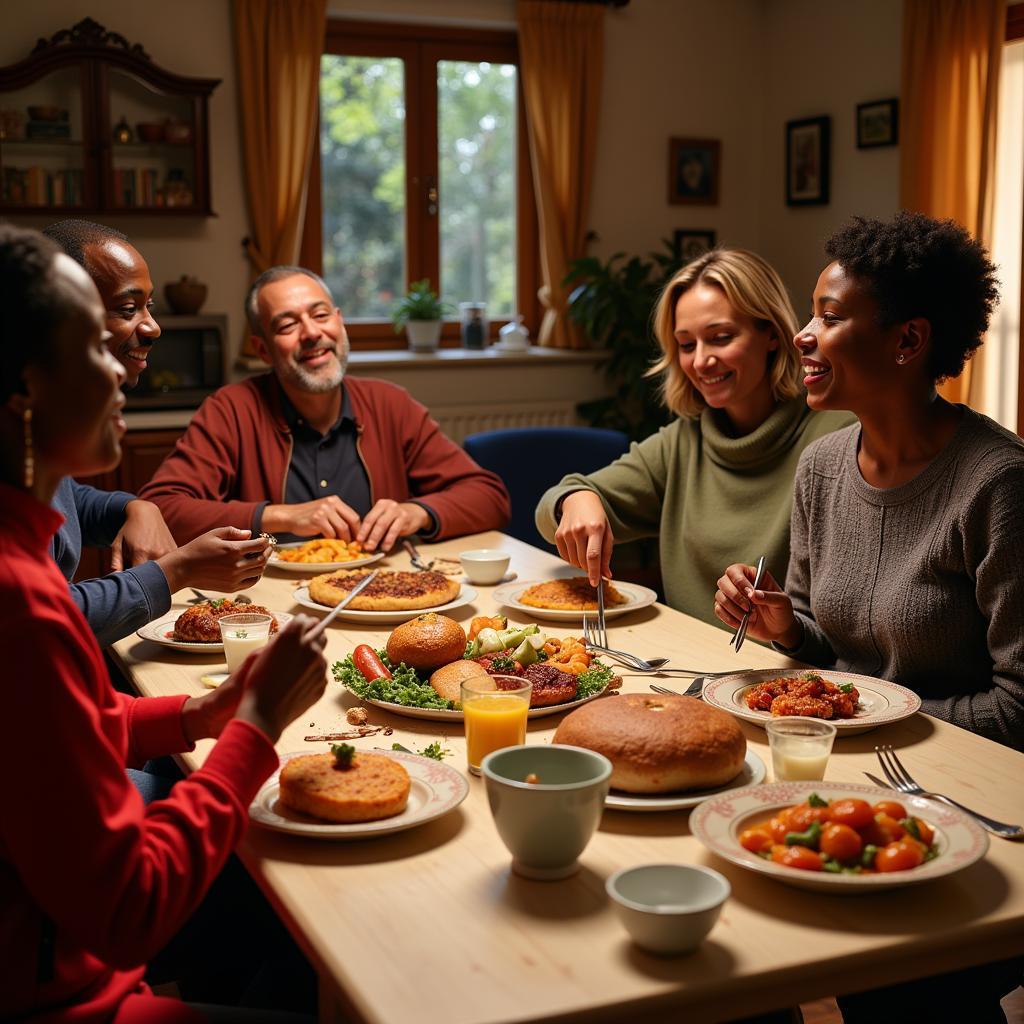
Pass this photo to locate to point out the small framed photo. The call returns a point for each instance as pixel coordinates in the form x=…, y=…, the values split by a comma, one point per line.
x=878, y=124
x=689, y=243
x=807, y=161
x=693, y=170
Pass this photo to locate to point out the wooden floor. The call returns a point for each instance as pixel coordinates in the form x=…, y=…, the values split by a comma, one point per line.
x=825, y=1011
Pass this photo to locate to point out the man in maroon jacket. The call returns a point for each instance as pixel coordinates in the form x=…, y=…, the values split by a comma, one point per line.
x=305, y=451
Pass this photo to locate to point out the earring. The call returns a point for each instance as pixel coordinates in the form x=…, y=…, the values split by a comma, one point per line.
x=29, y=472
x=900, y=358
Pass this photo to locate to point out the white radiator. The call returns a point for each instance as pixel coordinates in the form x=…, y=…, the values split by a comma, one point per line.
x=458, y=421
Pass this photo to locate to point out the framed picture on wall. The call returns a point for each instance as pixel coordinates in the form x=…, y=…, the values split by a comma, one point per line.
x=807, y=161
x=689, y=243
x=693, y=169
x=878, y=123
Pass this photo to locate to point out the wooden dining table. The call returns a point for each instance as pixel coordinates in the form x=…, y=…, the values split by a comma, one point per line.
x=430, y=924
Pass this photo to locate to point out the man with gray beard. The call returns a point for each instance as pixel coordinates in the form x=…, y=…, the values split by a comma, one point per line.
x=304, y=451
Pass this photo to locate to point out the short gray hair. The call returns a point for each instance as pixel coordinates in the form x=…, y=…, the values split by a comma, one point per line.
x=252, y=309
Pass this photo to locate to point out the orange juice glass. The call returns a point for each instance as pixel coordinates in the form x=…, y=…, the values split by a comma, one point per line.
x=494, y=709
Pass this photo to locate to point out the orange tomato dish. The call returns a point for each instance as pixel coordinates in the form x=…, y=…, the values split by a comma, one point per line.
x=807, y=694
x=847, y=836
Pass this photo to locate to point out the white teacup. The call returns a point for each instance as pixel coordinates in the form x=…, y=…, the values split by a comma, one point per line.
x=485, y=566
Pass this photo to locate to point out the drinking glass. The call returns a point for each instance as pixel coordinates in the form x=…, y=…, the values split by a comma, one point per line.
x=800, y=747
x=494, y=709
x=242, y=634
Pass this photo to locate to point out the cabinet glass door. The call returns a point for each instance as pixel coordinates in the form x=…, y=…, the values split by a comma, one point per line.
x=42, y=145
x=152, y=146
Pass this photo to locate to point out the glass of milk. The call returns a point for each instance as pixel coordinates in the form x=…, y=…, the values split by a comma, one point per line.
x=800, y=747
x=242, y=634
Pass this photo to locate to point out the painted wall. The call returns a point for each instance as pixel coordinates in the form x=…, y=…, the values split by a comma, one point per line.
x=825, y=57
x=189, y=37
x=735, y=70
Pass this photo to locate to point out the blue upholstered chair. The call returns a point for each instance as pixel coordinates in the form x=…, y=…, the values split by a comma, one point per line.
x=531, y=459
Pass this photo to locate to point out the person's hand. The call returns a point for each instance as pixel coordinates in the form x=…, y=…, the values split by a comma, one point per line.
x=285, y=678
x=771, y=618
x=388, y=520
x=327, y=517
x=224, y=559
x=143, y=538
x=207, y=715
x=584, y=536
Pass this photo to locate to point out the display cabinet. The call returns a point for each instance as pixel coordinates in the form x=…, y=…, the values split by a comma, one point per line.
x=89, y=124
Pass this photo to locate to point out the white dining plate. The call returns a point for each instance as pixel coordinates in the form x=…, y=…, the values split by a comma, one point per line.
x=161, y=631
x=467, y=595
x=312, y=568
x=442, y=715
x=751, y=774
x=636, y=597
x=718, y=822
x=435, y=789
x=881, y=702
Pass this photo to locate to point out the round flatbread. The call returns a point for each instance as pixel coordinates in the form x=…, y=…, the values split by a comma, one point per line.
x=389, y=591
x=570, y=595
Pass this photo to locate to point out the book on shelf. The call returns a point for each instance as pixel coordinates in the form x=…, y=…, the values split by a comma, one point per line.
x=37, y=186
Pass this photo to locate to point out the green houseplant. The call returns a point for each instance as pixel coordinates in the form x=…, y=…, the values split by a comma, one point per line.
x=420, y=312
x=613, y=303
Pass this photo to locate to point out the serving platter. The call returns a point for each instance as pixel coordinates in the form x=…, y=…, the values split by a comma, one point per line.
x=636, y=597
x=881, y=702
x=467, y=595
x=158, y=630
x=435, y=789
x=312, y=568
x=443, y=715
x=718, y=821
x=751, y=774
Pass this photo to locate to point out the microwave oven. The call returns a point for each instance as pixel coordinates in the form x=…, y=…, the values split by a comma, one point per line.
x=187, y=362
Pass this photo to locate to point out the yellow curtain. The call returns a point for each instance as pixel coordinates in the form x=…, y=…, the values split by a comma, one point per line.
x=952, y=50
x=561, y=51
x=278, y=47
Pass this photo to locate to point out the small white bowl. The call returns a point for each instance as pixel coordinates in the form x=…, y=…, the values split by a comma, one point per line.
x=485, y=566
x=668, y=908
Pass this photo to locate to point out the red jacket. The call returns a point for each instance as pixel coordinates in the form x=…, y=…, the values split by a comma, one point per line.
x=92, y=882
x=236, y=452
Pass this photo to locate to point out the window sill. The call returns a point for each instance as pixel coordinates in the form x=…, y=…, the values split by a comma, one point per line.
x=450, y=358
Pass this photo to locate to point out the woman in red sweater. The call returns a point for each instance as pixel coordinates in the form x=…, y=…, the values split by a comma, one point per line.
x=92, y=882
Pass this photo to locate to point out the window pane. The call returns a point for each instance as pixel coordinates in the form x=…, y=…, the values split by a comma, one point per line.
x=362, y=147
x=477, y=161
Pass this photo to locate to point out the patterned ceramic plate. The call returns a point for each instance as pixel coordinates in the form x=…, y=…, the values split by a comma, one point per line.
x=718, y=821
x=881, y=702
x=435, y=790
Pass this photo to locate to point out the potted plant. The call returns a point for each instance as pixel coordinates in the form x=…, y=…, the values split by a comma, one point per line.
x=613, y=303
x=420, y=312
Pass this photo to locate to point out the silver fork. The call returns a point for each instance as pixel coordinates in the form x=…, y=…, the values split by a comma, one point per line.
x=693, y=690
x=637, y=663
x=902, y=781
x=602, y=626
x=414, y=556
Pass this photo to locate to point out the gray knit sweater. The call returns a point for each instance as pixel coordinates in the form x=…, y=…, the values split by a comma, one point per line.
x=921, y=584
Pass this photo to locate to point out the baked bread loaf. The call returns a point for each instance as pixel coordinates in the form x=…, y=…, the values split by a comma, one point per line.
x=658, y=744
x=448, y=679
x=371, y=788
x=427, y=641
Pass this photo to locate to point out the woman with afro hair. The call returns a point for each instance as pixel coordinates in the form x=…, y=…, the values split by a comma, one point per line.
x=906, y=561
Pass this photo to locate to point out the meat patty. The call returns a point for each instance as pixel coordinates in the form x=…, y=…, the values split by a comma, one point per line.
x=199, y=624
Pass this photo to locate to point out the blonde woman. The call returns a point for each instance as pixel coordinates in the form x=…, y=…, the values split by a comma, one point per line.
x=718, y=480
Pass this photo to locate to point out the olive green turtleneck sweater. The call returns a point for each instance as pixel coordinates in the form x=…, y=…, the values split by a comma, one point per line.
x=710, y=498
